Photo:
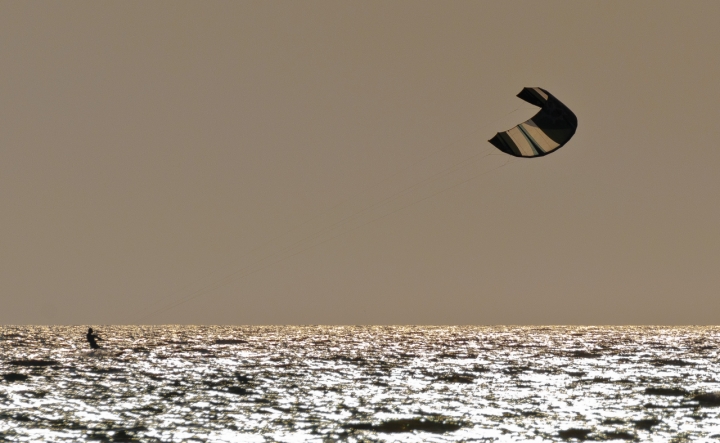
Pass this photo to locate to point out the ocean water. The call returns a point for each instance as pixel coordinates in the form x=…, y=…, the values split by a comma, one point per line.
x=359, y=384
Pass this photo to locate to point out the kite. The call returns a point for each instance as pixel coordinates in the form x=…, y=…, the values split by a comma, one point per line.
x=546, y=132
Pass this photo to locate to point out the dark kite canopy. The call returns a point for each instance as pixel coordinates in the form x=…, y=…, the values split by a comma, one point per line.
x=546, y=132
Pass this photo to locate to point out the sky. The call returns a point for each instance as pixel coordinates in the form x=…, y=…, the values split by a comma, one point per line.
x=325, y=162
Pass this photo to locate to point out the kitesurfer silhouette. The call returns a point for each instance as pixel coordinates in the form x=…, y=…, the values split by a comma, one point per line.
x=91, y=339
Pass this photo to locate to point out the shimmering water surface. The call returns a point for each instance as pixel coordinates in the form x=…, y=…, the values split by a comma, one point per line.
x=223, y=384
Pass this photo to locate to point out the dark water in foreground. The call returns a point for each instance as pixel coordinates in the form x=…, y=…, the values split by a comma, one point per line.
x=292, y=384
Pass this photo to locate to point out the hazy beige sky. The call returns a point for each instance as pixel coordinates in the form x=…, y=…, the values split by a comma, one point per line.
x=155, y=152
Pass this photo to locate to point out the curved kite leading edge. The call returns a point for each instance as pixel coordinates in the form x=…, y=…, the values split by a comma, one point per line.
x=546, y=132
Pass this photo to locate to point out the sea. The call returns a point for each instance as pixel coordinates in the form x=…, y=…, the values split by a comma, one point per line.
x=359, y=384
